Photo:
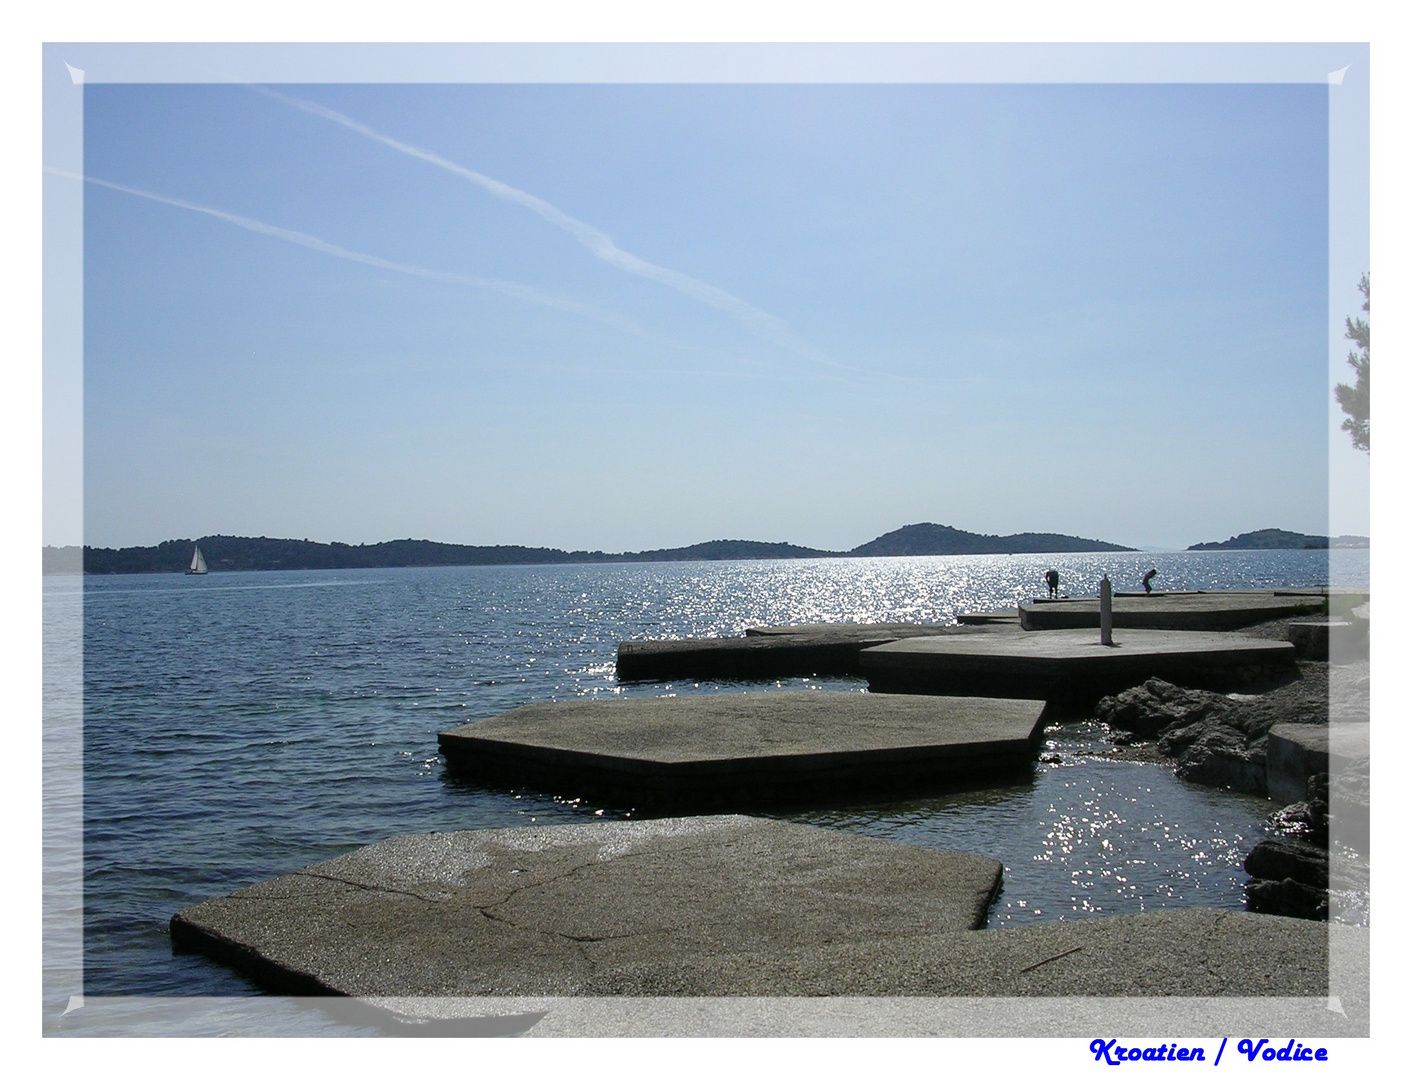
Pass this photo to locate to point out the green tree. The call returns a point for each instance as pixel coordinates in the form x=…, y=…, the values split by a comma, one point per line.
x=1354, y=399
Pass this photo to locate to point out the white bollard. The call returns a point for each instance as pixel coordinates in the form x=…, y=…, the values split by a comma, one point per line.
x=1105, y=611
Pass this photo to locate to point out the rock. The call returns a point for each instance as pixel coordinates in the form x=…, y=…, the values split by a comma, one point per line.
x=1150, y=709
x=1288, y=877
x=1316, y=789
x=1288, y=897
x=1279, y=859
x=1216, y=739
x=1220, y=756
x=1301, y=819
x=1202, y=730
x=1308, y=818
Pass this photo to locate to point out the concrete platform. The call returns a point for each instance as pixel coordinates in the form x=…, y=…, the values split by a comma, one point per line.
x=1071, y=665
x=549, y=910
x=766, y=652
x=1005, y=617
x=710, y=907
x=849, y=631
x=1295, y=752
x=1227, y=609
x=744, y=750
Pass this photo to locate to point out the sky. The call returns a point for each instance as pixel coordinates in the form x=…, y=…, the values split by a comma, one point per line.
x=624, y=317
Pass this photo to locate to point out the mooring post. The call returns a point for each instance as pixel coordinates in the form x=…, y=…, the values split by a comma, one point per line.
x=1105, y=611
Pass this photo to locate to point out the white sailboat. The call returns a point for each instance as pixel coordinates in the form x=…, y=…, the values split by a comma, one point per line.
x=198, y=564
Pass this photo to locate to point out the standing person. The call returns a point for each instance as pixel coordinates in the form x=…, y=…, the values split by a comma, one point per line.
x=1051, y=578
x=1147, y=580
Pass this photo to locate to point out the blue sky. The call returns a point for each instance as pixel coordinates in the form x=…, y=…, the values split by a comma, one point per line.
x=623, y=317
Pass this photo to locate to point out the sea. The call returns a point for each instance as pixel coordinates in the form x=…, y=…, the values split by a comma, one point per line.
x=234, y=727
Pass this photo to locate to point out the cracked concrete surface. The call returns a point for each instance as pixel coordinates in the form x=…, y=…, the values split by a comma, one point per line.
x=707, y=907
x=560, y=909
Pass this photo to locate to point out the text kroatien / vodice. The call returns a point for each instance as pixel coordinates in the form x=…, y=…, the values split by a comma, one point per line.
x=1111, y=1053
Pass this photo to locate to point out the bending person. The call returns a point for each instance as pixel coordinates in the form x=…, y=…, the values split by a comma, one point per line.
x=1051, y=578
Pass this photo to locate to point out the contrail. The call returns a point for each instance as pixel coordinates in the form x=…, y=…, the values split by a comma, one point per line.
x=597, y=241
x=314, y=243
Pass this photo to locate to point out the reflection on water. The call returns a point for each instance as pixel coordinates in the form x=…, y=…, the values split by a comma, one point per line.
x=1088, y=836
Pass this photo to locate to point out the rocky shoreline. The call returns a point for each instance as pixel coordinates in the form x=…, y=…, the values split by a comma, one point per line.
x=1220, y=740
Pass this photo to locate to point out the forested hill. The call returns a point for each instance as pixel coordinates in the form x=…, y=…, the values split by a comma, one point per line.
x=1264, y=539
x=263, y=553
x=929, y=539
x=716, y=550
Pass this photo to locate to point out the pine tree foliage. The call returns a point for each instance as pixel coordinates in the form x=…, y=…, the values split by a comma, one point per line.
x=1354, y=399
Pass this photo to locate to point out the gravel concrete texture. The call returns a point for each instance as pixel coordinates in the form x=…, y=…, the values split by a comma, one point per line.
x=608, y=907
x=1191, y=952
x=1072, y=664
x=751, y=749
x=709, y=907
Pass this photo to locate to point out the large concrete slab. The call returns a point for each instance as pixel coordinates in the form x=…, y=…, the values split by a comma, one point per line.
x=712, y=907
x=765, y=652
x=1008, y=617
x=1071, y=665
x=1227, y=609
x=566, y=909
x=741, y=750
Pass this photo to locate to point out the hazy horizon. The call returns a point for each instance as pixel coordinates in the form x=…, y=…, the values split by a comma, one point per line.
x=695, y=543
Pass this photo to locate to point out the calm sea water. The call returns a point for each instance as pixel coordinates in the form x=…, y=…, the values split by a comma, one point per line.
x=240, y=726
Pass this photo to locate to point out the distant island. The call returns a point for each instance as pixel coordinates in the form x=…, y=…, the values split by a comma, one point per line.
x=929, y=539
x=1268, y=539
x=263, y=553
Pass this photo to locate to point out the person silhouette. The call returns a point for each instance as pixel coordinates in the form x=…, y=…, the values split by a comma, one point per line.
x=1051, y=578
x=1147, y=580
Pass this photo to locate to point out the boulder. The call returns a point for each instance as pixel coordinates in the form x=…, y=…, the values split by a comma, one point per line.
x=1150, y=709
x=1289, y=898
x=1308, y=818
x=1288, y=877
x=1219, y=755
x=1280, y=859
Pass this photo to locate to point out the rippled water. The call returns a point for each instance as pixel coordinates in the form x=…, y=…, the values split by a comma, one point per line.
x=240, y=726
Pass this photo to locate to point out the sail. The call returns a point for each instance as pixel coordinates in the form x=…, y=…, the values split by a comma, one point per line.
x=198, y=563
